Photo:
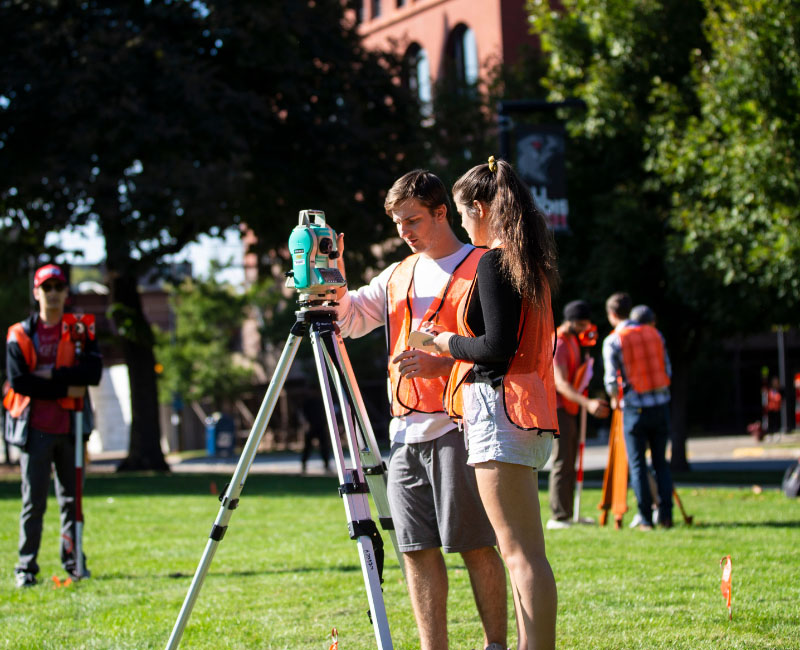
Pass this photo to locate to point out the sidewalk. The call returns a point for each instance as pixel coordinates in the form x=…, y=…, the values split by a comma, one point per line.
x=704, y=454
x=727, y=453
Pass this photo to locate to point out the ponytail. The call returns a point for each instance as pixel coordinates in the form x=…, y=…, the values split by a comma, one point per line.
x=528, y=256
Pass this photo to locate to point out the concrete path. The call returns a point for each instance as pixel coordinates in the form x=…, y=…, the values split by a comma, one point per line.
x=704, y=454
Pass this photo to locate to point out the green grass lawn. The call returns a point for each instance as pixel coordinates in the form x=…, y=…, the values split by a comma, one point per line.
x=286, y=573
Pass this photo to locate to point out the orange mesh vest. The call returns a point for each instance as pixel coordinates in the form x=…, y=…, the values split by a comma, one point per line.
x=529, y=386
x=15, y=403
x=575, y=370
x=643, y=357
x=418, y=394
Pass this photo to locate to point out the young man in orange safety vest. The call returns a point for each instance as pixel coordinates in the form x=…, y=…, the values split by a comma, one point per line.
x=432, y=491
x=637, y=375
x=569, y=366
x=46, y=386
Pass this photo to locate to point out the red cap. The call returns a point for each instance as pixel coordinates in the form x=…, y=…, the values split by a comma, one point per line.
x=44, y=273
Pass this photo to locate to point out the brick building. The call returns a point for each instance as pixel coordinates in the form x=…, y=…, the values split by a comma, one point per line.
x=462, y=37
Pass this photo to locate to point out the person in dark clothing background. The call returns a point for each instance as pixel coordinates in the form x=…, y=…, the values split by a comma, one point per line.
x=47, y=383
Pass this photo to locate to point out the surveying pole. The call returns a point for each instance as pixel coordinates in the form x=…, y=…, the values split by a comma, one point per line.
x=78, y=328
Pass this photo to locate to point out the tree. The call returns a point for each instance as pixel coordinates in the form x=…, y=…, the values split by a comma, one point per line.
x=613, y=54
x=688, y=119
x=198, y=354
x=734, y=170
x=163, y=120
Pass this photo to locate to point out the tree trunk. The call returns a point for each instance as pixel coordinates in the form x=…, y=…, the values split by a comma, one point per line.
x=680, y=395
x=144, y=451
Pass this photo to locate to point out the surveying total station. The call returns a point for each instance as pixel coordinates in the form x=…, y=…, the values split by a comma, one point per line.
x=315, y=276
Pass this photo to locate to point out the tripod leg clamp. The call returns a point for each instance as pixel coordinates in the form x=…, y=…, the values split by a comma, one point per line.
x=218, y=532
x=367, y=528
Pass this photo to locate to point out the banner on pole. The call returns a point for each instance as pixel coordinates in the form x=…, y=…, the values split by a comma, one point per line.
x=540, y=162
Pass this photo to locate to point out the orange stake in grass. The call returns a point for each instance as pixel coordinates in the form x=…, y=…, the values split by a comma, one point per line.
x=334, y=640
x=725, y=585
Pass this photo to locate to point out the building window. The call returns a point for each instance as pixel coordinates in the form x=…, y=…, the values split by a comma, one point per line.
x=401, y=3
x=462, y=55
x=376, y=8
x=418, y=77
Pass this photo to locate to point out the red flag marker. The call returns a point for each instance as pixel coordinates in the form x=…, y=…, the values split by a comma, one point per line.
x=725, y=585
x=334, y=640
x=57, y=582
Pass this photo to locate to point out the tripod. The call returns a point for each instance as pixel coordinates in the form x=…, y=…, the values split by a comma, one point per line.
x=363, y=472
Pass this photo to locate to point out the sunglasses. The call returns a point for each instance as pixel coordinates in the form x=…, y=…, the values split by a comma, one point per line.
x=47, y=287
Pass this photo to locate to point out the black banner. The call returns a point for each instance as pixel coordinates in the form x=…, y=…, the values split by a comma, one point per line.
x=540, y=162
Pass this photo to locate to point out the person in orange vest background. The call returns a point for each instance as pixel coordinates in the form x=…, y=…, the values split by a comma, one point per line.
x=433, y=495
x=636, y=375
x=774, y=401
x=569, y=367
x=45, y=382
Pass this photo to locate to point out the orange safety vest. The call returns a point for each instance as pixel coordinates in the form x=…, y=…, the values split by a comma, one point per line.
x=643, y=358
x=15, y=403
x=529, y=386
x=774, y=399
x=418, y=394
x=575, y=369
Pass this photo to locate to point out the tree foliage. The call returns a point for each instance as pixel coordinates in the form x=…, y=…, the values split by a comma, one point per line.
x=682, y=168
x=197, y=355
x=163, y=120
x=734, y=169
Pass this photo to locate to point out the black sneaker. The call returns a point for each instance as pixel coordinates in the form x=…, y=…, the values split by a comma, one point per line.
x=74, y=575
x=24, y=579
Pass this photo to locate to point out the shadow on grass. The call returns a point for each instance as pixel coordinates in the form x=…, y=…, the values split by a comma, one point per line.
x=272, y=572
x=746, y=524
x=191, y=485
x=180, y=575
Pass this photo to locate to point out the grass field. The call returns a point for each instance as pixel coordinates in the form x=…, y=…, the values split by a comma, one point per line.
x=287, y=572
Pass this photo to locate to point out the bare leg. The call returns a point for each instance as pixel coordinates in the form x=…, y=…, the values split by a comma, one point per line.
x=426, y=574
x=487, y=575
x=510, y=494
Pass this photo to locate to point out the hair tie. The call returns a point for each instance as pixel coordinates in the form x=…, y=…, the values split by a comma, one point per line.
x=492, y=164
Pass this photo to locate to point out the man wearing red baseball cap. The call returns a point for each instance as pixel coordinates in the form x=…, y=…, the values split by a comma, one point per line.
x=46, y=380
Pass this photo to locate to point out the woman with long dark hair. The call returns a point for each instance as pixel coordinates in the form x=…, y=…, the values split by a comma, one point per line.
x=502, y=384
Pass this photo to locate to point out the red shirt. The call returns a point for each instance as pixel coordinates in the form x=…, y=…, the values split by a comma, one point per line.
x=46, y=414
x=568, y=355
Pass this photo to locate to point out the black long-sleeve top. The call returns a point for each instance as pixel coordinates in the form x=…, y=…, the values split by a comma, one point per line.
x=493, y=316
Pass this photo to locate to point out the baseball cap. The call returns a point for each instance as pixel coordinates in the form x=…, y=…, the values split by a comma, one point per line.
x=44, y=273
x=577, y=310
x=643, y=315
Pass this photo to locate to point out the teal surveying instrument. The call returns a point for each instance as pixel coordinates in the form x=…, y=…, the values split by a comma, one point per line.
x=315, y=276
x=313, y=247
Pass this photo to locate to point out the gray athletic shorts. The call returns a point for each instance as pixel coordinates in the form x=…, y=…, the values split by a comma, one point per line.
x=433, y=497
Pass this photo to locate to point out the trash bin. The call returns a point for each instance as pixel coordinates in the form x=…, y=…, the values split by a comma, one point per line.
x=220, y=435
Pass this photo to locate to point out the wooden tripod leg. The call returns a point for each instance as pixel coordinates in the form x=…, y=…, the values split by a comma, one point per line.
x=615, y=479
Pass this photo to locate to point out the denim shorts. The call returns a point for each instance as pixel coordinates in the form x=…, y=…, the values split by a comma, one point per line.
x=491, y=436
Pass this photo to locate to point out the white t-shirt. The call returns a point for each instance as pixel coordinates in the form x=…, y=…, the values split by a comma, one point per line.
x=361, y=311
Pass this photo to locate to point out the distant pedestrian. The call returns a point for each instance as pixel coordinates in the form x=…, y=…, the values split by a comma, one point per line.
x=317, y=429
x=637, y=375
x=46, y=383
x=774, y=403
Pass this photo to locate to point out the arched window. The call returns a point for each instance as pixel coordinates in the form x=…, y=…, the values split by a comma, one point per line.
x=418, y=77
x=462, y=55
